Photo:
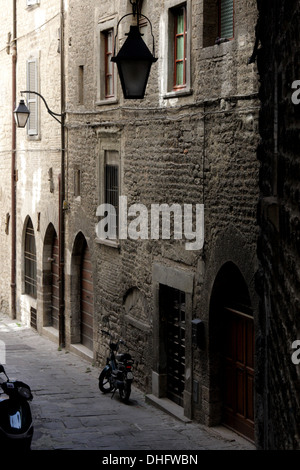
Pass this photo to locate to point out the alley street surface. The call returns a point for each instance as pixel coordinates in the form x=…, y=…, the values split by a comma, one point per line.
x=70, y=412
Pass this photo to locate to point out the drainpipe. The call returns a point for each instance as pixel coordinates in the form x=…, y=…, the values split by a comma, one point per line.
x=62, y=188
x=13, y=167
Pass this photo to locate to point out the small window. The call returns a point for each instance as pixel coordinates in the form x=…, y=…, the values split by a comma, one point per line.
x=109, y=69
x=111, y=185
x=176, y=80
x=32, y=99
x=179, y=47
x=106, y=76
x=226, y=19
x=30, y=260
x=218, y=21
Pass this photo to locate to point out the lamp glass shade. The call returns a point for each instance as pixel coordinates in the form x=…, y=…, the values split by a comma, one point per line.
x=134, y=62
x=21, y=114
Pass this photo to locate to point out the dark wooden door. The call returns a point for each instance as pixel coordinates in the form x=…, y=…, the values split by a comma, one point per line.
x=54, y=283
x=172, y=302
x=239, y=372
x=87, y=299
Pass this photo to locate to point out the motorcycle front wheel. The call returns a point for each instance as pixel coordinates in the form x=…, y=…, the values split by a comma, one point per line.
x=125, y=391
x=104, y=381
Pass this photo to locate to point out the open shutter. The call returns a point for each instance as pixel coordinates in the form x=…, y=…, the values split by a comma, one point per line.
x=226, y=19
x=32, y=99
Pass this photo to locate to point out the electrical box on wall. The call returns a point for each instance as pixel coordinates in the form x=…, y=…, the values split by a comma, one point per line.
x=198, y=333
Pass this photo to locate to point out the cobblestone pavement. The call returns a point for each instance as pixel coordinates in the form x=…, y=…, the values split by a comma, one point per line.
x=71, y=413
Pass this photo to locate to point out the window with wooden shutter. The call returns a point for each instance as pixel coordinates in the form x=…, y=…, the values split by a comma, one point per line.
x=226, y=19
x=179, y=47
x=32, y=99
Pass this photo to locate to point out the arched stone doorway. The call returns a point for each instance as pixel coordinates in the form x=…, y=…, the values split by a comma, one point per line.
x=51, y=278
x=232, y=351
x=82, y=297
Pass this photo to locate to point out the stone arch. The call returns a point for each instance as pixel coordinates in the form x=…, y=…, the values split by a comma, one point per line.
x=50, y=277
x=231, y=350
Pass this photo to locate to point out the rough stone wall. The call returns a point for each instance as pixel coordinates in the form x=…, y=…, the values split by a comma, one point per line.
x=5, y=165
x=190, y=149
x=37, y=196
x=278, y=248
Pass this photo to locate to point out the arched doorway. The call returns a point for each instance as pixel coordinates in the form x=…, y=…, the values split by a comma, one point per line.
x=232, y=349
x=86, y=299
x=54, y=315
x=51, y=279
x=82, y=297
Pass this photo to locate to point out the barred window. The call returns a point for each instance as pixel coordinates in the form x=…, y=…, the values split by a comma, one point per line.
x=112, y=193
x=30, y=260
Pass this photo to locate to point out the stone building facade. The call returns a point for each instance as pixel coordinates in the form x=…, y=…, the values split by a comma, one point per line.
x=278, y=247
x=185, y=302
x=29, y=181
x=192, y=144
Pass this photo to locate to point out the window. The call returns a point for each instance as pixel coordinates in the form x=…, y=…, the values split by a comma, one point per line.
x=111, y=187
x=218, y=21
x=106, y=76
x=176, y=76
x=109, y=69
x=32, y=99
x=30, y=260
x=226, y=19
x=179, y=47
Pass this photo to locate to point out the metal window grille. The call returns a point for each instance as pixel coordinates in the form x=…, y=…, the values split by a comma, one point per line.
x=30, y=261
x=112, y=194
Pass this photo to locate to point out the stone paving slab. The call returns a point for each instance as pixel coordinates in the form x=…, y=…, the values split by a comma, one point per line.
x=70, y=412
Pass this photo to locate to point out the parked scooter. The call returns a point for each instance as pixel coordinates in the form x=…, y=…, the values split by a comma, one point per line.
x=16, y=428
x=117, y=374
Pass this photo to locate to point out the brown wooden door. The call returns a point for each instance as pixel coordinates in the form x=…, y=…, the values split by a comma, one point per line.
x=54, y=283
x=87, y=300
x=239, y=372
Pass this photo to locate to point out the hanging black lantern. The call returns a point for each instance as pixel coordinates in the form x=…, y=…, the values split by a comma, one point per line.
x=21, y=114
x=134, y=62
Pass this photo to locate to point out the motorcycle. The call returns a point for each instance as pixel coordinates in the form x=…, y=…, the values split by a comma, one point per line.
x=117, y=374
x=16, y=428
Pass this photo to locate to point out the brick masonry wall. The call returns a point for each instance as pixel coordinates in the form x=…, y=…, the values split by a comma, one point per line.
x=278, y=248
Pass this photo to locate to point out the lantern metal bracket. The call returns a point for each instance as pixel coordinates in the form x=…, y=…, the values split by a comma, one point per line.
x=135, y=12
x=47, y=107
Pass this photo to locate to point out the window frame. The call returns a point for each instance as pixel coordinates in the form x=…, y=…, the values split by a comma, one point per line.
x=109, y=154
x=167, y=83
x=220, y=21
x=102, y=97
x=109, y=71
x=176, y=36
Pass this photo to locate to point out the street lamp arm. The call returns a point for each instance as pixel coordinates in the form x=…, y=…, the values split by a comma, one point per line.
x=48, y=109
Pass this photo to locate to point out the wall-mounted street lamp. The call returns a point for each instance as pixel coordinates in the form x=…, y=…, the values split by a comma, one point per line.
x=21, y=113
x=134, y=59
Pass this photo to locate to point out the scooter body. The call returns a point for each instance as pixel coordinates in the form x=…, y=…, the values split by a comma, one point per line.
x=16, y=427
x=117, y=374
